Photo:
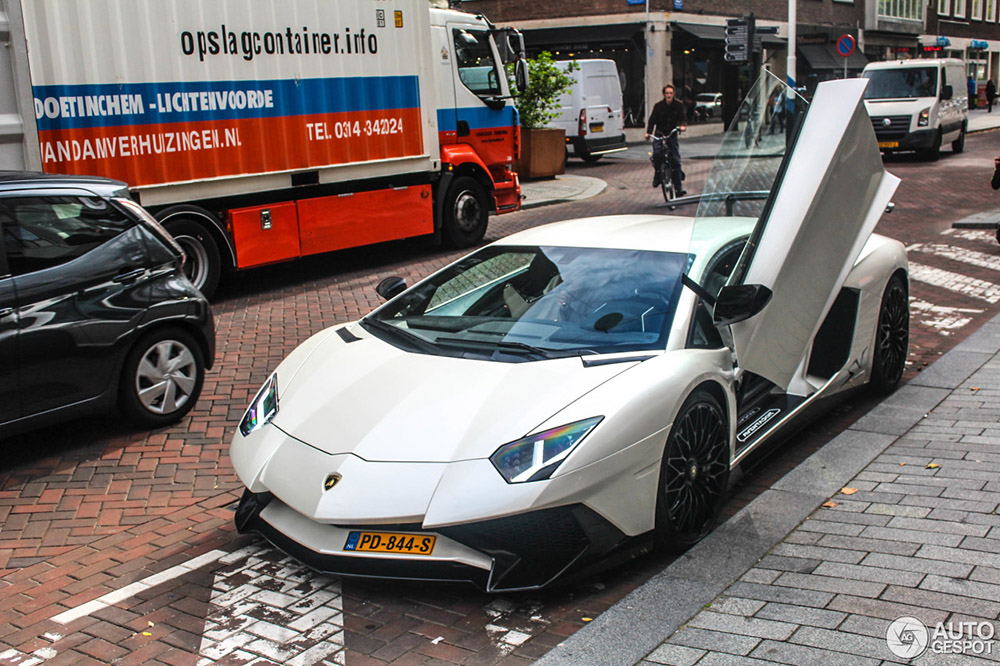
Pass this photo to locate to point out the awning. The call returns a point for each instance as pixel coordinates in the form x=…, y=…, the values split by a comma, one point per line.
x=825, y=56
x=580, y=36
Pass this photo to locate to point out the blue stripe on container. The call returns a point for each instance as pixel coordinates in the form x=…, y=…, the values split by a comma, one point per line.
x=290, y=98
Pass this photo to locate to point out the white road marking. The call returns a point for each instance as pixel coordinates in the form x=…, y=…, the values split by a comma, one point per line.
x=961, y=284
x=987, y=235
x=971, y=257
x=946, y=320
x=117, y=596
x=266, y=604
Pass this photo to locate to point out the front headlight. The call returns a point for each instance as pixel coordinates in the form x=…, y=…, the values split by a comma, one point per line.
x=925, y=117
x=263, y=407
x=536, y=457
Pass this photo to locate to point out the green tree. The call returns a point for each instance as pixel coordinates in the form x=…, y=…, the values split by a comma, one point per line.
x=546, y=82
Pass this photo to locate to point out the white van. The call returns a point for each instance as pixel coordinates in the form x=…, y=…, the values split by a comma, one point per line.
x=591, y=111
x=918, y=104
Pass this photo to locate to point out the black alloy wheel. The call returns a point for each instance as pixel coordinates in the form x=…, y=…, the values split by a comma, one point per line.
x=694, y=473
x=892, y=338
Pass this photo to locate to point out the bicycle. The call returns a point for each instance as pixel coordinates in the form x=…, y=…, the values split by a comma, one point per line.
x=664, y=162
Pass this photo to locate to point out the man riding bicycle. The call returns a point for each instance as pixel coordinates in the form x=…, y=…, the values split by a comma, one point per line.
x=667, y=114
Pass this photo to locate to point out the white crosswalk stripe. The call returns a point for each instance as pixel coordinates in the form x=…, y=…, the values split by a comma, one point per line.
x=960, y=284
x=971, y=257
x=945, y=320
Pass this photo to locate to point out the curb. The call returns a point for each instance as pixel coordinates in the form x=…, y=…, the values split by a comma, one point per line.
x=592, y=187
x=628, y=631
x=984, y=220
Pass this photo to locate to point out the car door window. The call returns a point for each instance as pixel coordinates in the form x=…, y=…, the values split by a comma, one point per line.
x=44, y=232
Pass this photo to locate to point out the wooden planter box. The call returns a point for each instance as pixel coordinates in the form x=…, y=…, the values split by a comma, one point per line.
x=543, y=153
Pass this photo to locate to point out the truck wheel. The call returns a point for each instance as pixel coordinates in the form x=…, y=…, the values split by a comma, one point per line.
x=162, y=378
x=203, y=264
x=958, y=145
x=465, y=213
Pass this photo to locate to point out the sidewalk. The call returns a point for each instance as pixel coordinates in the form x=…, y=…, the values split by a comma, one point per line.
x=894, y=518
x=560, y=189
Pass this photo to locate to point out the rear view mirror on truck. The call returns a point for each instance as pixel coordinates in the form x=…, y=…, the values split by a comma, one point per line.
x=521, y=75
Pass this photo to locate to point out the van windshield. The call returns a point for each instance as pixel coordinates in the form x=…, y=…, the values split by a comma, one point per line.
x=900, y=83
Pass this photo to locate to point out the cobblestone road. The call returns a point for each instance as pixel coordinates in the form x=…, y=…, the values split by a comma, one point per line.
x=118, y=546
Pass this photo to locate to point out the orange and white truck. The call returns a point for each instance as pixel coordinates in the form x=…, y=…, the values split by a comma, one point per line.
x=259, y=132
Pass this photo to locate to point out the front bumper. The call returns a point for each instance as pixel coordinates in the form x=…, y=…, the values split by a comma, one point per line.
x=916, y=140
x=592, y=145
x=521, y=552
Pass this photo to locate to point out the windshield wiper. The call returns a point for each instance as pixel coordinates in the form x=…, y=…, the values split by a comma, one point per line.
x=514, y=347
x=417, y=341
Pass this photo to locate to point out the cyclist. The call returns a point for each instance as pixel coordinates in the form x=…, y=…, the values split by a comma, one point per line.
x=667, y=114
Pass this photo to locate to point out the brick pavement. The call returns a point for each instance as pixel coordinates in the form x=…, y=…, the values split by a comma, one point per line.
x=90, y=508
x=915, y=533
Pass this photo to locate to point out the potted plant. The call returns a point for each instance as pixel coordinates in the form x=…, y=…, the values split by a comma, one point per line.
x=543, y=150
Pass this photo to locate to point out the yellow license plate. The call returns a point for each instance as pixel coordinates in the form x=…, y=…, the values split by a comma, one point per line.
x=596, y=127
x=390, y=542
x=888, y=144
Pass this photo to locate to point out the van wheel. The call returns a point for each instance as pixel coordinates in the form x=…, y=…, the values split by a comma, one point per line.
x=934, y=152
x=958, y=145
x=590, y=158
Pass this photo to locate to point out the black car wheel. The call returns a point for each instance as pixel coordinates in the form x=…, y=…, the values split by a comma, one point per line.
x=162, y=378
x=694, y=473
x=892, y=338
x=958, y=145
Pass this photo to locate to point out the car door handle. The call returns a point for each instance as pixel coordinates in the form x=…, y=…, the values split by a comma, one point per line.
x=130, y=276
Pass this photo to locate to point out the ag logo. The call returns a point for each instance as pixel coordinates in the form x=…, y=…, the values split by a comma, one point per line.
x=886, y=122
x=907, y=637
x=331, y=481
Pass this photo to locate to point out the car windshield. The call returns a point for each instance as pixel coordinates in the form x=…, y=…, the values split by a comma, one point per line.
x=901, y=83
x=705, y=97
x=747, y=164
x=517, y=303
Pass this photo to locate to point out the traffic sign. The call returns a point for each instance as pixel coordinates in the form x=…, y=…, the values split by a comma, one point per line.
x=845, y=45
x=739, y=40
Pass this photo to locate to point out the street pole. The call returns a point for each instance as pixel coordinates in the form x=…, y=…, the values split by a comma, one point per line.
x=649, y=66
x=790, y=63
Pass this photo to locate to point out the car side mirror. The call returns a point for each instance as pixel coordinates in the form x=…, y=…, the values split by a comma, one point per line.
x=390, y=287
x=946, y=92
x=521, y=79
x=736, y=303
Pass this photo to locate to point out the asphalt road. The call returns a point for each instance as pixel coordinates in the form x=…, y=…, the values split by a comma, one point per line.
x=91, y=510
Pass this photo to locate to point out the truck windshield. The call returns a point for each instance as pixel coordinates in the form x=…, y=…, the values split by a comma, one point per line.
x=476, y=66
x=901, y=83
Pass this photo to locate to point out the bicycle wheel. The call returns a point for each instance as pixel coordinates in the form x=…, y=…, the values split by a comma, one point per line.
x=666, y=183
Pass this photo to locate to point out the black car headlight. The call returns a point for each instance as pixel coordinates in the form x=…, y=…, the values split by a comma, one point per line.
x=537, y=456
x=263, y=407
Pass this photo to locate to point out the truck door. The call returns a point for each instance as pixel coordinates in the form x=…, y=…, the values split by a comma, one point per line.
x=10, y=405
x=483, y=117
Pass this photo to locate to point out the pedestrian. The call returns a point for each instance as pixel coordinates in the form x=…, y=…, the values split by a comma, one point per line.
x=667, y=114
x=972, y=92
x=995, y=182
x=991, y=94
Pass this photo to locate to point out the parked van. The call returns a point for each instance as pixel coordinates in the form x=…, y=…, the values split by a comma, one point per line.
x=591, y=112
x=918, y=104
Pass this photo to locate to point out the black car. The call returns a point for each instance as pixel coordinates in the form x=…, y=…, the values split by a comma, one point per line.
x=95, y=310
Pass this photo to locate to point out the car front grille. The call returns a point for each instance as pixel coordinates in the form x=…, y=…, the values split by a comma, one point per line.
x=896, y=127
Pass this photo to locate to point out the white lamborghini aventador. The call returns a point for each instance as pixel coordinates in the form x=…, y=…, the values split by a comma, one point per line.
x=576, y=392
